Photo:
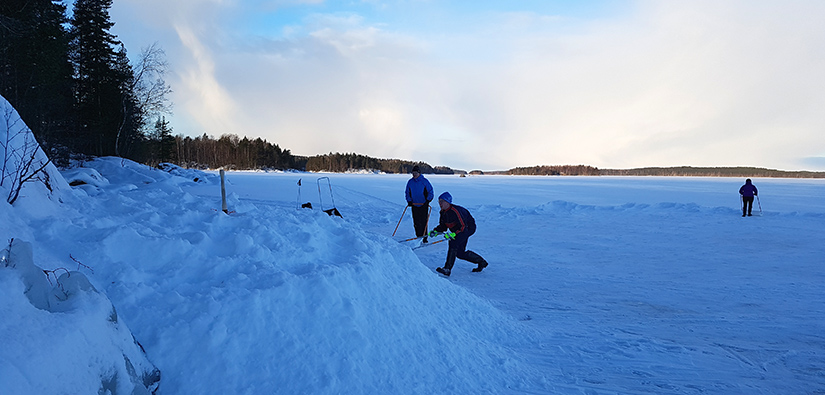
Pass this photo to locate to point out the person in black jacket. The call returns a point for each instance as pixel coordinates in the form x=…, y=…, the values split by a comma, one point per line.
x=748, y=191
x=458, y=220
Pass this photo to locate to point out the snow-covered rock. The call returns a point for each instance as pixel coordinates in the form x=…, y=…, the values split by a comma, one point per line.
x=59, y=324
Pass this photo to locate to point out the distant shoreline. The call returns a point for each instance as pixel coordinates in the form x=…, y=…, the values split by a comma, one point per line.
x=680, y=171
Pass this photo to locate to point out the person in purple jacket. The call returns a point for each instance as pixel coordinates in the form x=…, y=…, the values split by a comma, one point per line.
x=748, y=191
x=419, y=194
x=458, y=220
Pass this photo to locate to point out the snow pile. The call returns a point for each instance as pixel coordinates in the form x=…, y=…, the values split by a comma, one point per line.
x=60, y=334
x=192, y=174
x=65, y=338
x=268, y=299
x=273, y=299
x=25, y=170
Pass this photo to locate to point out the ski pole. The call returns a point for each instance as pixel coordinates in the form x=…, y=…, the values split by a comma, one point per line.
x=298, y=199
x=429, y=211
x=760, y=205
x=399, y=220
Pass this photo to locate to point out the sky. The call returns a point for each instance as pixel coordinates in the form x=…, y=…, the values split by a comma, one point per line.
x=493, y=85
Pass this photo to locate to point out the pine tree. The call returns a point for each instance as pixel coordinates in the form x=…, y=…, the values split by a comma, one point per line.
x=35, y=72
x=165, y=141
x=98, y=83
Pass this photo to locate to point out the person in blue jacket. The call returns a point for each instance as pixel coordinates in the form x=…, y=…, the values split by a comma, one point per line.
x=419, y=195
x=458, y=220
x=748, y=191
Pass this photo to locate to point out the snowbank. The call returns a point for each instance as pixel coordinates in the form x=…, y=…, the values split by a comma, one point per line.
x=273, y=299
x=25, y=170
x=60, y=334
x=65, y=338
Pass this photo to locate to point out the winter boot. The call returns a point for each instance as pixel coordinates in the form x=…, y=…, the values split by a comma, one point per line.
x=477, y=259
x=448, y=265
x=443, y=271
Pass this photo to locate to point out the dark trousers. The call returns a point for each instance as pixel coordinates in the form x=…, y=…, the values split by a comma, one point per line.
x=458, y=249
x=747, y=204
x=420, y=215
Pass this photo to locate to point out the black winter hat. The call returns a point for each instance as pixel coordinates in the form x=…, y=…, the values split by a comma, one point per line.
x=416, y=169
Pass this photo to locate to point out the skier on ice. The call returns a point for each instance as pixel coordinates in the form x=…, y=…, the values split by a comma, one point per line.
x=458, y=220
x=748, y=191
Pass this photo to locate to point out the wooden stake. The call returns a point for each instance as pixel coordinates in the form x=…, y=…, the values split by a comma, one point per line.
x=223, y=194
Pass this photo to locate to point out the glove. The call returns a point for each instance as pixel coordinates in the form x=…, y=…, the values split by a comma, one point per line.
x=409, y=204
x=449, y=236
x=433, y=233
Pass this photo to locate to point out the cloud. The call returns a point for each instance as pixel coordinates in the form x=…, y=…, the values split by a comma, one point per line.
x=700, y=83
x=206, y=96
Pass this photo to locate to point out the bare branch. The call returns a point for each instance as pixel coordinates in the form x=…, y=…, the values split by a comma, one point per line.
x=150, y=87
x=79, y=264
x=20, y=163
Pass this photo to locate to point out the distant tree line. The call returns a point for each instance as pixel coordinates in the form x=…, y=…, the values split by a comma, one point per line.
x=73, y=84
x=688, y=171
x=338, y=162
x=234, y=152
x=564, y=170
x=228, y=151
x=683, y=171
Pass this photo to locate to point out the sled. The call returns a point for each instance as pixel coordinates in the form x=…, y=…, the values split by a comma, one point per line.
x=330, y=211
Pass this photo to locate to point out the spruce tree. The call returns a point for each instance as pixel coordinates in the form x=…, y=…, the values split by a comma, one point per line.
x=35, y=72
x=163, y=142
x=98, y=82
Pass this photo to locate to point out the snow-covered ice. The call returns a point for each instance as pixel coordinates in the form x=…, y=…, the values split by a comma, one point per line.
x=595, y=284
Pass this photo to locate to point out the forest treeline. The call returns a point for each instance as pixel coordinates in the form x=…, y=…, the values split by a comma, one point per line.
x=681, y=171
x=345, y=162
x=240, y=153
x=563, y=170
x=688, y=171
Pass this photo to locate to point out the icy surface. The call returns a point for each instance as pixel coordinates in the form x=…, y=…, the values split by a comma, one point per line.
x=597, y=285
